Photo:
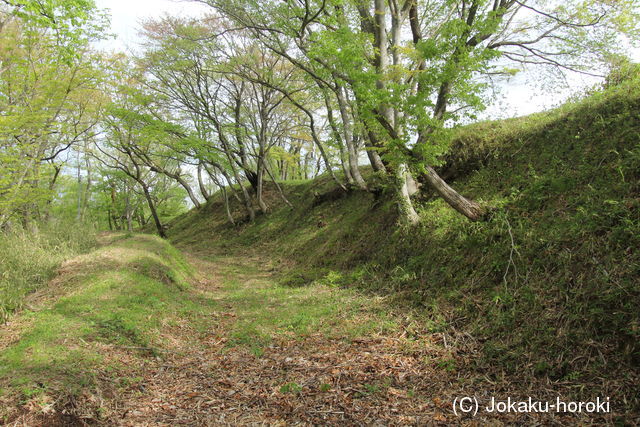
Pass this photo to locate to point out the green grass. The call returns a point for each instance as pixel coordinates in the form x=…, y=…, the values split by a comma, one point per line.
x=28, y=259
x=121, y=296
x=265, y=309
x=548, y=287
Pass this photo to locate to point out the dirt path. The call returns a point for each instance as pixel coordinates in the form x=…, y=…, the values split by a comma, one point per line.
x=123, y=339
x=238, y=347
x=293, y=379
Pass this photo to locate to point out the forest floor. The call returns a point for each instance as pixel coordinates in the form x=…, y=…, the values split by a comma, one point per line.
x=254, y=352
x=280, y=355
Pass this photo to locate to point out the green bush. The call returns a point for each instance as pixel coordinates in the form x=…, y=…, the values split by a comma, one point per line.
x=29, y=258
x=623, y=70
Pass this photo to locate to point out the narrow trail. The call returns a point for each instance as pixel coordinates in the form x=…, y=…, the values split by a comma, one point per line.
x=218, y=378
x=237, y=347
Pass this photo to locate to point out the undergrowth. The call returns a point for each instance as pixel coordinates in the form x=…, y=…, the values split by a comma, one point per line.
x=265, y=309
x=28, y=259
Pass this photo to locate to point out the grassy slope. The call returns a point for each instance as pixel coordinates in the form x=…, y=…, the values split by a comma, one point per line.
x=29, y=258
x=87, y=346
x=116, y=298
x=548, y=289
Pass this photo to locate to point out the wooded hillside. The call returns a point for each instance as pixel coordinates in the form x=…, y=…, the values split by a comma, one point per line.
x=547, y=289
x=289, y=213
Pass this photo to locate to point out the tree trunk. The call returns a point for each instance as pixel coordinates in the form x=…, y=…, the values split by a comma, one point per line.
x=352, y=152
x=203, y=188
x=79, y=201
x=245, y=194
x=246, y=198
x=128, y=212
x=278, y=187
x=259, y=187
x=344, y=161
x=407, y=213
x=382, y=52
x=374, y=157
x=325, y=158
x=317, y=172
x=214, y=178
x=226, y=204
x=223, y=188
x=109, y=219
x=190, y=192
x=140, y=217
x=154, y=213
x=305, y=168
x=412, y=184
x=87, y=190
x=466, y=207
x=252, y=177
x=52, y=186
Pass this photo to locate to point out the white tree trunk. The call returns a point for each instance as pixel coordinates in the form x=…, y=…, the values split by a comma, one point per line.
x=408, y=214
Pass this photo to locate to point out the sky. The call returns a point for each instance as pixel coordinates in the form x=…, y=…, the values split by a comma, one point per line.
x=126, y=16
x=519, y=96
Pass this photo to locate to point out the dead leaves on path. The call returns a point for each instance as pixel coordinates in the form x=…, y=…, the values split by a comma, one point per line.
x=311, y=381
x=198, y=378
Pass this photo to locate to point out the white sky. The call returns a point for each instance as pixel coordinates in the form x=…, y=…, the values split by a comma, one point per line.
x=519, y=96
x=126, y=16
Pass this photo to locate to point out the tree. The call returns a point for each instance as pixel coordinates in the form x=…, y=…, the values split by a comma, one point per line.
x=238, y=118
x=412, y=67
x=49, y=97
x=119, y=153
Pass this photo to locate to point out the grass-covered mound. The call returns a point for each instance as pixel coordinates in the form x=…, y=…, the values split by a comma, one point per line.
x=101, y=308
x=547, y=289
